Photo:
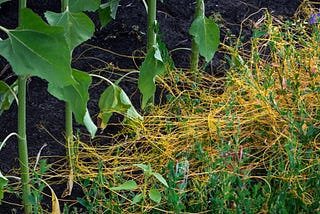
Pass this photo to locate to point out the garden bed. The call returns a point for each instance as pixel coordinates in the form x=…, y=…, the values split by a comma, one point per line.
x=113, y=51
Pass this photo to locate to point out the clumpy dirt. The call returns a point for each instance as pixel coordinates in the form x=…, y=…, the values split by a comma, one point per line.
x=127, y=36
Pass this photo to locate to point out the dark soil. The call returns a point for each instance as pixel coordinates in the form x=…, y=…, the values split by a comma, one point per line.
x=126, y=35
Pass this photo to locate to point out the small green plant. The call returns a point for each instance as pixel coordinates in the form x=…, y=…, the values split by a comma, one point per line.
x=97, y=199
x=38, y=186
x=206, y=39
x=206, y=36
x=177, y=181
x=153, y=64
x=152, y=193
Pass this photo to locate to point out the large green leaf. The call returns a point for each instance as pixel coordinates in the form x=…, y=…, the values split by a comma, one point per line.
x=77, y=95
x=128, y=185
x=83, y=5
x=3, y=182
x=38, y=49
x=207, y=35
x=78, y=26
x=155, y=195
x=108, y=11
x=6, y=95
x=150, y=69
x=114, y=99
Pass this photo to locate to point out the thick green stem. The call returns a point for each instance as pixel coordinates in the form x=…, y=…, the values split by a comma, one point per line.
x=69, y=134
x=22, y=140
x=152, y=39
x=68, y=110
x=195, y=49
x=68, y=123
x=68, y=113
x=152, y=13
x=22, y=4
x=22, y=145
x=64, y=5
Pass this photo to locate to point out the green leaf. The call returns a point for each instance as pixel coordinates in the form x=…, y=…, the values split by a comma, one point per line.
x=160, y=178
x=89, y=124
x=155, y=195
x=78, y=26
x=145, y=168
x=6, y=95
x=84, y=203
x=38, y=49
x=114, y=99
x=77, y=95
x=3, y=182
x=108, y=11
x=257, y=33
x=3, y=1
x=128, y=185
x=136, y=199
x=150, y=69
x=207, y=36
x=83, y=5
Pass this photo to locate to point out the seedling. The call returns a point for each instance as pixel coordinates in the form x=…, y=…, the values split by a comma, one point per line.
x=153, y=193
x=206, y=36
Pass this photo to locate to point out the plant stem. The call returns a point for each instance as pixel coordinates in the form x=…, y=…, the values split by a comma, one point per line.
x=68, y=123
x=22, y=140
x=64, y=5
x=152, y=12
x=68, y=111
x=22, y=144
x=195, y=49
x=68, y=116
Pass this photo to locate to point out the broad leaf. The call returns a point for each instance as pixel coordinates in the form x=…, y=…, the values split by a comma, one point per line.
x=6, y=95
x=83, y=5
x=150, y=69
x=136, y=199
x=3, y=182
x=128, y=185
x=114, y=99
x=206, y=34
x=77, y=95
x=3, y=1
x=160, y=178
x=78, y=26
x=108, y=11
x=155, y=195
x=38, y=49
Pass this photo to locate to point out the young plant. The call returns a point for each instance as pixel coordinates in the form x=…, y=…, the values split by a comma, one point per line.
x=206, y=36
x=114, y=99
x=153, y=64
x=22, y=141
x=38, y=49
x=153, y=193
x=79, y=28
